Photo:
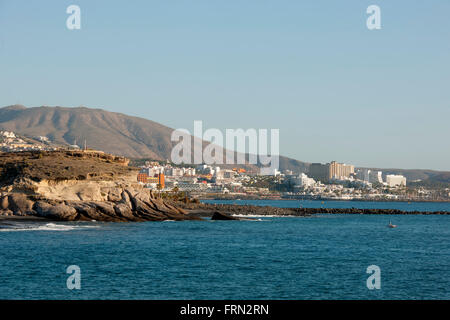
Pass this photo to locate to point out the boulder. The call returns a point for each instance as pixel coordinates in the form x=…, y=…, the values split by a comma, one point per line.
x=4, y=203
x=6, y=212
x=114, y=194
x=123, y=210
x=105, y=208
x=142, y=209
x=162, y=207
x=57, y=212
x=126, y=199
x=175, y=209
x=20, y=204
x=143, y=195
x=222, y=216
x=89, y=211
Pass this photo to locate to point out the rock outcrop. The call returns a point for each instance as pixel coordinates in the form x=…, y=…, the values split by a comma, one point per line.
x=85, y=186
x=217, y=215
x=134, y=205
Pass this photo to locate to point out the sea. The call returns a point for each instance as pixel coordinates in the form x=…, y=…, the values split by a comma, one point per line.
x=326, y=256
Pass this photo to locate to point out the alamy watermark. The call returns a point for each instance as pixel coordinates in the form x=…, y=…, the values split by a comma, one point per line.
x=241, y=146
x=374, y=280
x=74, y=280
x=73, y=22
x=374, y=20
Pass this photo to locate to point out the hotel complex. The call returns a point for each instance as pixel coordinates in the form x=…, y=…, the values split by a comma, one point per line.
x=329, y=171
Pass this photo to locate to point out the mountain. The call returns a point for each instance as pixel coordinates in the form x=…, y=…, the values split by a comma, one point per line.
x=102, y=130
x=132, y=137
x=111, y=132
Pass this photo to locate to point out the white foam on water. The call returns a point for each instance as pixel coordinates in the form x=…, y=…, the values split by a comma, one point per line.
x=261, y=216
x=47, y=227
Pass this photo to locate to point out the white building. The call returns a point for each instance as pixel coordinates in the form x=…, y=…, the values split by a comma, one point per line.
x=189, y=171
x=363, y=174
x=8, y=134
x=43, y=139
x=175, y=172
x=303, y=181
x=267, y=171
x=152, y=171
x=374, y=176
x=393, y=180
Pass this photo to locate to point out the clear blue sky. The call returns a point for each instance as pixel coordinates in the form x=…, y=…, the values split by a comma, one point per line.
x=336, y=90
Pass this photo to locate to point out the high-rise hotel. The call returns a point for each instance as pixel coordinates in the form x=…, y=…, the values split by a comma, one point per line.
x=333, y=170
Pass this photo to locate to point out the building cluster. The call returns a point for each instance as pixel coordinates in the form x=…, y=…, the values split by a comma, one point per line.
x=329, y=171
x=395, y=180
x=199, y=179
x=10, y=142
x=341, y=181
x=156, y=181
x=335, y=172
x=332, y=180
x=375, y=176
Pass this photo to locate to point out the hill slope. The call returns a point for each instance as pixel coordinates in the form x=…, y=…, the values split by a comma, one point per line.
x=128, y=136
x=108, y=131
x=111, y=132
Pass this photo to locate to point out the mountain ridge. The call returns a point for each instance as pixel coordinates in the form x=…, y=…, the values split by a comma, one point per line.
x=129, y=136
x=103, y=130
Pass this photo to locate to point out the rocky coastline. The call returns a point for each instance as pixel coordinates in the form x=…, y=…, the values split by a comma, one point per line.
x=78, y=186
x=93, y=186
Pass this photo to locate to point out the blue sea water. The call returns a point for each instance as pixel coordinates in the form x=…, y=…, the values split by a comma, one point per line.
x=400, y=205
x=318, y=257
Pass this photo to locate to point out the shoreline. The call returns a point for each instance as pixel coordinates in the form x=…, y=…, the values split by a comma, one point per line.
x=207, y=209
x=198, y=211
x=324, y=199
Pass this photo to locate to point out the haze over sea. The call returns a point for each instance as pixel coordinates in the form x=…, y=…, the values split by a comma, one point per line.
x=317, y=257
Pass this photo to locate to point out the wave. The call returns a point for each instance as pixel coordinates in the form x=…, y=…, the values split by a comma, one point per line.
x=47, y=227
x=261, y=216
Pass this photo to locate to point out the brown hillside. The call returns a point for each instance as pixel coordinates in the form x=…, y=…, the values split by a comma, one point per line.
x=61, y=165
x=111, y=132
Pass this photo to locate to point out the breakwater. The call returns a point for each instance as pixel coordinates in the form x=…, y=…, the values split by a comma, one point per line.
x=207, y=209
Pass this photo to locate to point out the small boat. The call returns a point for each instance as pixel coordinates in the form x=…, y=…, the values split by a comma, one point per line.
x=390, y=225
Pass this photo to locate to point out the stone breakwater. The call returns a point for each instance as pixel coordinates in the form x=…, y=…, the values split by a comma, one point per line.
x=207, y=209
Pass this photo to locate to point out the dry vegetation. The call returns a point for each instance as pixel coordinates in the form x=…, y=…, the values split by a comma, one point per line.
x=61, y=165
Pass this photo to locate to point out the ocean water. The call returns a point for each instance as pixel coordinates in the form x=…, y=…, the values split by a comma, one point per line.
x=319, y=257
x=400, y=205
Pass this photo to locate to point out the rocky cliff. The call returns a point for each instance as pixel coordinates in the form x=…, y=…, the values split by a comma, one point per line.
x=77, y=185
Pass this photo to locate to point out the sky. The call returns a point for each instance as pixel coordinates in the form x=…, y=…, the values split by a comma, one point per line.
x=312, y=69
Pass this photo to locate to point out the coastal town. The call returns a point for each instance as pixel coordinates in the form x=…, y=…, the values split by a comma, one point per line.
x=330, y=181
x=10, y=142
